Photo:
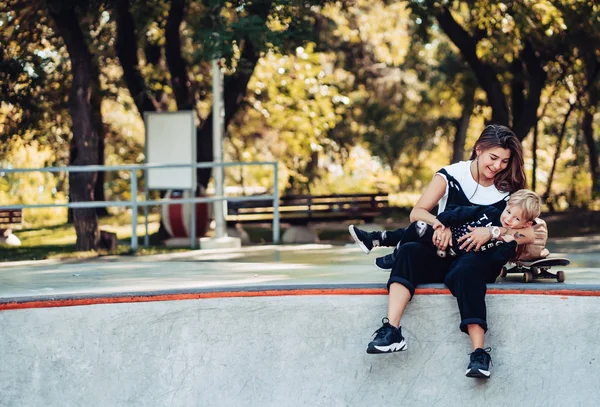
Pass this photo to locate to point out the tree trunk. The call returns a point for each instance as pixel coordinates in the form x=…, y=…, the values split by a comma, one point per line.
x=96, y=104
x=485, y=74
x=127, y=52
x=561, y=136
x=524, y=109
x=588, y=121
x=535, y=140
x=99, y=194
x=468, y=102
x=525, y=114
x=179, y=77
x=81, y=184
x=534, y=154
x=588, y=134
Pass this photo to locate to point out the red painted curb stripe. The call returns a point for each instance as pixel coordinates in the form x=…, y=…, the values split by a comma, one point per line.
x=270, y=293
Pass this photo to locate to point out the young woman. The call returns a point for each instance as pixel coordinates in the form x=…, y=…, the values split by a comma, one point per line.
x=494, y=170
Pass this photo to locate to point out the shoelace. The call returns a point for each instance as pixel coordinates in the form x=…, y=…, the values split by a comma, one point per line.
x=381, y=331
x=480, y=357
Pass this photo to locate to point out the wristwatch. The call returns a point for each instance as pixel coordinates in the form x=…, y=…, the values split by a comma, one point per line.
x=495, y=232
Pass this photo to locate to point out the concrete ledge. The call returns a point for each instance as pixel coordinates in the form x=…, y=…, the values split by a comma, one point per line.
x=51, y=301
x=226, y=242
x=301, y=351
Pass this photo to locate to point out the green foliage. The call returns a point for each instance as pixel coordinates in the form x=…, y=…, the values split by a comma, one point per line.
x=32, y=187
x=33, y=79
x=294, y=104
x=268, y=25
x=348, y=96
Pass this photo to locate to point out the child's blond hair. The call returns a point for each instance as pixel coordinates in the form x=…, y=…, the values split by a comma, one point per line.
x=529, y=202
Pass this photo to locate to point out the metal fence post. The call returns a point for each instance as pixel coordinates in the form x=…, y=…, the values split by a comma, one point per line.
x=146, y=209
x=276, y=203
x=193, y=221
x=134, y=209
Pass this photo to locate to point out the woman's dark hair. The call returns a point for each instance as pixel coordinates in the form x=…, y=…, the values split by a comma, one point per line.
x=512, y=178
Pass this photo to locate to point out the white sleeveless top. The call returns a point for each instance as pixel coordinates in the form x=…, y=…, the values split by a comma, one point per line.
x=475, y=193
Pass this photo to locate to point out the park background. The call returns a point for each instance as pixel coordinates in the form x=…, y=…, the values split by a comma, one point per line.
x=348, y=96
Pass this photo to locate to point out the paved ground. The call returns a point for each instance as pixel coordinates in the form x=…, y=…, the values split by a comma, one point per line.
x=251, y=267
x=286, y=350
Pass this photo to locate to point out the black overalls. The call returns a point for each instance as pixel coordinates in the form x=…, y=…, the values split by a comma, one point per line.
x=466, y=276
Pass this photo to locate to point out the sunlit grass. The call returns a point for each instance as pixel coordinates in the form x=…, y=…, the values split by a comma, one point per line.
x=58, y=241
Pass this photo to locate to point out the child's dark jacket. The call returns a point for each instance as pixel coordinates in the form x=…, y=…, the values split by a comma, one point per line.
x=458, y=218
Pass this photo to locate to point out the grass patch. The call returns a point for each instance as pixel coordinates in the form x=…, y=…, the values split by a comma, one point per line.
x=58, y=241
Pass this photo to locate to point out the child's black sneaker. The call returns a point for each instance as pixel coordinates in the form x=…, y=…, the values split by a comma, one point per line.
x=386, y=262
x=365, y=240
x=387, y=339
x=479, y=366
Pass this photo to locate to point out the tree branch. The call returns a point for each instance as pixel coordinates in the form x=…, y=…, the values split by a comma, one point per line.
x=179, y=77
x=485, y=74
x=527, y=117
x=127, y=52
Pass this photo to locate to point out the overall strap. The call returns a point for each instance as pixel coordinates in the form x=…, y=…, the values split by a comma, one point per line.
x=456, y=195
x=501, y=204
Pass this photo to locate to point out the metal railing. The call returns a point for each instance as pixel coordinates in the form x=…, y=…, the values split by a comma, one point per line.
x=135, y=203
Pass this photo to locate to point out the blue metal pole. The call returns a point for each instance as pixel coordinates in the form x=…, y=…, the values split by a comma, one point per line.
x=276, y=203
x=134, y=208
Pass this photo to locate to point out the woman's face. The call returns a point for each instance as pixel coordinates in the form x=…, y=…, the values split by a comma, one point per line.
x=492, y=161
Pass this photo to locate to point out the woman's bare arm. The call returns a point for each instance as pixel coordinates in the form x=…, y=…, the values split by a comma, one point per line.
x=442, y=236
x=430, y=198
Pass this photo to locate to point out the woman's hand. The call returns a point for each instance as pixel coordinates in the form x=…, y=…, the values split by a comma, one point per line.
x=473, y=240
x=442, y=237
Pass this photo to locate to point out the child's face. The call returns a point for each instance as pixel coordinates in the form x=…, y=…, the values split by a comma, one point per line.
x=512, y=217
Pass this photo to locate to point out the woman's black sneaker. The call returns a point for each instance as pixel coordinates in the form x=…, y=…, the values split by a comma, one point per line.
x=365, y=240
x=386, y=262
x=387, y=339
x=479, y=366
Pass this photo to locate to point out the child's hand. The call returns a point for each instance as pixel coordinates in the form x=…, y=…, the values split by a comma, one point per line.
x=437, y=224
x=473, y=240
x=508, y=238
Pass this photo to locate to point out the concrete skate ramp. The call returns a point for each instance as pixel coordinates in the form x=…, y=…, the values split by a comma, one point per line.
x=297, y=351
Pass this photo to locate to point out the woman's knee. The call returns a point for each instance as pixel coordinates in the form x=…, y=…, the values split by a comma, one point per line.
x=403, y=282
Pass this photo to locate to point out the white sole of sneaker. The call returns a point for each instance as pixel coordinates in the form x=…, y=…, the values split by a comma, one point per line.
x=394, y=347
x=357, y=240
x=381, y=268
x=479, y=373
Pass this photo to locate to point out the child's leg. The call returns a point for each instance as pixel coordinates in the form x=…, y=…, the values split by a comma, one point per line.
x=368, y=240
x=416, y=232
x=391, y=238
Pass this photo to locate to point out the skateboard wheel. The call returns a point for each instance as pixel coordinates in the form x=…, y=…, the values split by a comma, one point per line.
x=528, y=276
x=560, y=276
x=503, y=272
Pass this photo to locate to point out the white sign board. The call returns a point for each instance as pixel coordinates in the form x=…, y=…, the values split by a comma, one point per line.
x=171, y=139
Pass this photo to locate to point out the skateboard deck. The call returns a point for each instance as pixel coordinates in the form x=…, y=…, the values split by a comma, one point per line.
x=536, y=269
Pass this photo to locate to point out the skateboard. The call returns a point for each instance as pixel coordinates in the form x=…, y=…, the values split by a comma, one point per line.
x=533, y=270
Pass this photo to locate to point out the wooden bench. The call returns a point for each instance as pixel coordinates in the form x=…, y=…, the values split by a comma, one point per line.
x=304, y=209
x=10, y=219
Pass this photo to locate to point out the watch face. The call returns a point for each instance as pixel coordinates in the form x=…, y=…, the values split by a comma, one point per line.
x=495, y=232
